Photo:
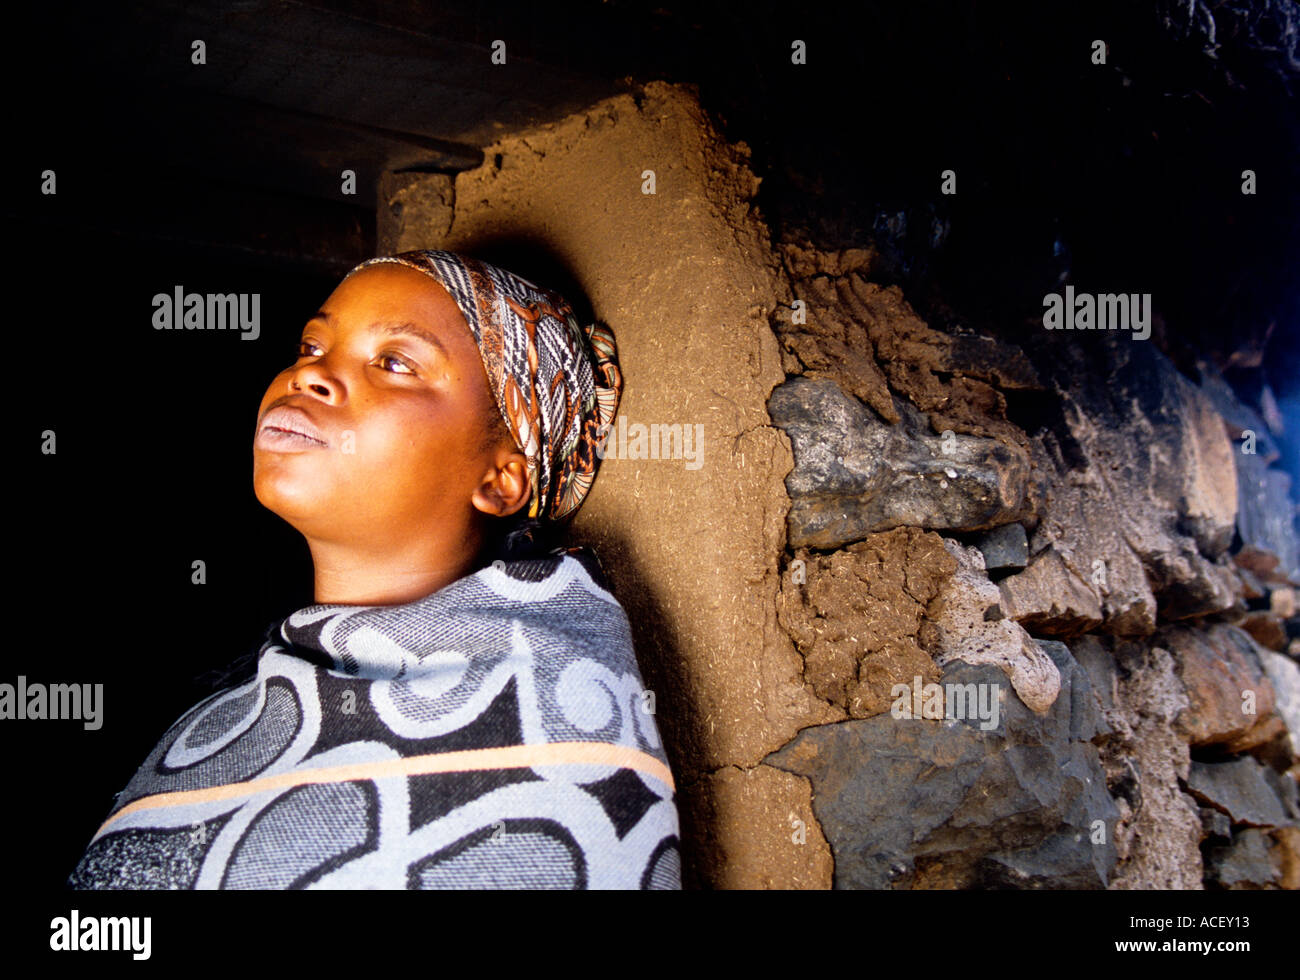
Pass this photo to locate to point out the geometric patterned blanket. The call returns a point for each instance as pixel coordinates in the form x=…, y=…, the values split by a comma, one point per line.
x=494, y=734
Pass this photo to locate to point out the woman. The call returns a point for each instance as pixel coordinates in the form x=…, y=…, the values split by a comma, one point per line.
x=461, y=708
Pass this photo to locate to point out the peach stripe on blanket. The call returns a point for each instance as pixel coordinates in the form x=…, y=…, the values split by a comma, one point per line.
x=472, y=760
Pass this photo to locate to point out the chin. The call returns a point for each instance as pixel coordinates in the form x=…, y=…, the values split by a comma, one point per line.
x=290, y=499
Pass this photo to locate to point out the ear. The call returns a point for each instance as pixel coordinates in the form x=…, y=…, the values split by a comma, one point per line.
x=505, y=487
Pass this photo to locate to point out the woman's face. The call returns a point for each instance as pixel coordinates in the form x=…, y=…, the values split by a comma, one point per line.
x=376, y=432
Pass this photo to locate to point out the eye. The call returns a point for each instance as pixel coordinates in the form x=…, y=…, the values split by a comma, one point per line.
x=309, y=348
x=384, y=358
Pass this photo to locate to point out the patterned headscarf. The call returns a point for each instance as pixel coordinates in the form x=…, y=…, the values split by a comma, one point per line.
x=557, y=384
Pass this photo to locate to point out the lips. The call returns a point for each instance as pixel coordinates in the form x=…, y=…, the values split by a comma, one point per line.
x=287, y=424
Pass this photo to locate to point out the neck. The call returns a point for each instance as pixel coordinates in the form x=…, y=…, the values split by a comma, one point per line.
x=353, y=576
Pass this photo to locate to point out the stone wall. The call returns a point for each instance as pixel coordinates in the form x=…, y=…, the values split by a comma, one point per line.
x=1073, y=524
x=872, y=503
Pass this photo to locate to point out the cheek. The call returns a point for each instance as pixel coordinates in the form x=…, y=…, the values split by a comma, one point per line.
x=415, y=442
x=274, y=390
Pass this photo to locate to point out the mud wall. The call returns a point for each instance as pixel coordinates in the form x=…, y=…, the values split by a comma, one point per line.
x=687, y=281
x=868, y=503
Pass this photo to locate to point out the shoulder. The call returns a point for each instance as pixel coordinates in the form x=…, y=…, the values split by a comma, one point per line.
x=559, y=567
x=587, y=559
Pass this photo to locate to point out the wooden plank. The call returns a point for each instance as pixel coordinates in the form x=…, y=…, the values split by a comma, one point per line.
x=301, y=153
x=342, y=67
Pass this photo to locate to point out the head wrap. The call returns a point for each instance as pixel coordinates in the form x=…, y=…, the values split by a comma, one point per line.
x=557, y=384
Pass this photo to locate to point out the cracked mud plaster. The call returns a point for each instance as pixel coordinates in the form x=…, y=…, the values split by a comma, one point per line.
x=687, y=280
x=869, y=340
x=758, y=830
x=857, y=619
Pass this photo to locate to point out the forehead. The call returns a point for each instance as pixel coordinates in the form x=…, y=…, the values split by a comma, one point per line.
x=391, y=285
x=391, y=292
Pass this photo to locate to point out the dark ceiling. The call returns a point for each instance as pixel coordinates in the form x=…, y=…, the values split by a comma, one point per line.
x=1127, y=173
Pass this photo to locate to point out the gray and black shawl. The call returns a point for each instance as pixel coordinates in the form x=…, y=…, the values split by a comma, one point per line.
x=494, y=734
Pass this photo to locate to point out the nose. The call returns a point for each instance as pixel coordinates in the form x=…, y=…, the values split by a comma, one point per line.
x=315, y=377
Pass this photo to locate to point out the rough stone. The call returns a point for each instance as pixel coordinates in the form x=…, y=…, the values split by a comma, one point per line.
x=1259, y=562
x=1172, y=440
x=1191, y=587
x=857, y=615
x=1142, y=494
x=1266, y=627
x=1244, y=863
x=1239, y=789
x=1083, y=574
x=1252, y=586
x=1087, y=721
x=1286, y=789
x=1061, y=861
x=958, y=629
x=1159, y=831
x=1097, y=661
x=1218, y=668
x=1284, y=676
x=1215, y=823
x=915, y=803
x=1266, y=511
x=1050, y=597
x=1005, y=549
x=855, y=473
